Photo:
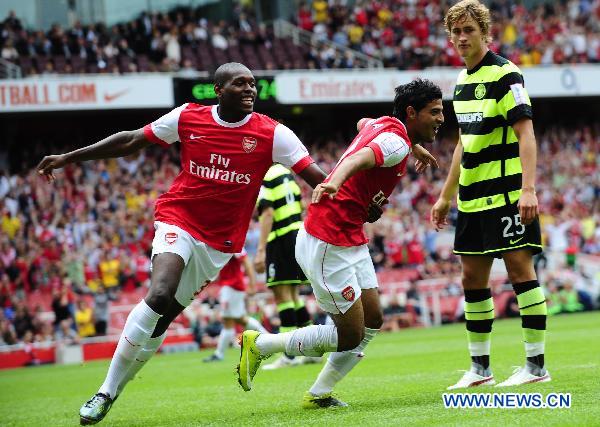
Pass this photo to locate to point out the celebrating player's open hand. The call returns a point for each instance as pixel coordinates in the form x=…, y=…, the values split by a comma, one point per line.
x=48, y=164
x=424, y=158
x=528, y=207
x=439, y=214
x=324, y=188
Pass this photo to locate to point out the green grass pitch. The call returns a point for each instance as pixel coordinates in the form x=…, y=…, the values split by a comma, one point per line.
x=399, y=382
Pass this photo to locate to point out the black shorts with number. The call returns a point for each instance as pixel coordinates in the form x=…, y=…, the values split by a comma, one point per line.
x=495, y=231
x=282, y=268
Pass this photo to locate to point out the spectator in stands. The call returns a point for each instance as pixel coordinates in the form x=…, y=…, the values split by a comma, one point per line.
x=11, y=22
x=395, y=314
x=218, y=39
x=195, y=315
x=8, y=335
x=29, y=349
x=8, y=51
x=11, y=223
x=110, y=268
x=401, y=36
x=102, y=299
x=84, y=319
x=413, y=300
x=172, y=48
x=22, y=320
x=66, y=334
x=74, y=269
x=61, y=305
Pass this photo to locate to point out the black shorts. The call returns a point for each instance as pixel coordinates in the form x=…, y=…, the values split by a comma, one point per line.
x=282, y=268
x=495, y=231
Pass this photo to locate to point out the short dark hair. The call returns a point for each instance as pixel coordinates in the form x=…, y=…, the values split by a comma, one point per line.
x=226, y=71
x=417, y=94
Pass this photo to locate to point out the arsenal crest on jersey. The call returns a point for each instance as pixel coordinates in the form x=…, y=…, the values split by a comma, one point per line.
x=249, y=144
x=348, y=293
x=170, y=238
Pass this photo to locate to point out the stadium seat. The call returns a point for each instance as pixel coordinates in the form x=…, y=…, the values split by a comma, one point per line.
x=26, y=65
x=77, y=64
x=59, y=63
x=143, y=63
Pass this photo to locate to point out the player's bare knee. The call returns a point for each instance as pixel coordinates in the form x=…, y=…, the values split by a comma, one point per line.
x=520, y=272
x=159, y=297
x=374, y=320
x=470, y=280
x=350, y=338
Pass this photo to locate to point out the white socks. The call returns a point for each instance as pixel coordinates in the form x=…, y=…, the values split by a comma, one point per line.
x=137, y=331
x=534, y=349
x=339, y=364
x=255, y=325
x=308, y=341
x=225, y=338
x=480, y=348
x=142, y=357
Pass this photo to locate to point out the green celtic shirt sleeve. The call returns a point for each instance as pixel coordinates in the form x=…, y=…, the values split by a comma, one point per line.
x=514, y=103
x=265, y=199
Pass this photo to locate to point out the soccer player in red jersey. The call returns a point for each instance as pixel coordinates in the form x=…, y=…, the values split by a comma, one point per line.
x=202, y=220
x=232, y=302
x=332, y=249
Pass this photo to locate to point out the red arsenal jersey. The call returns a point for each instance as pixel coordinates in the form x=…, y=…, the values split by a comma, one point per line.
x=232, y=274
x=340, y=221
x=222, y=168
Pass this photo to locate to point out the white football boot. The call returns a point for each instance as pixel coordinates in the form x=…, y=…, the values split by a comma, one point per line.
x=523, y=375
x=472, y=379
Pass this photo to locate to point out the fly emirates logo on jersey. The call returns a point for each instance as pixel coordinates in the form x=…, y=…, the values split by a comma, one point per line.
x=218, y=170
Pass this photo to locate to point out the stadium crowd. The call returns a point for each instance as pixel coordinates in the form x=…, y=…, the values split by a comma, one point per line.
x=403, y=34
x=88, y=239
x=411, y=34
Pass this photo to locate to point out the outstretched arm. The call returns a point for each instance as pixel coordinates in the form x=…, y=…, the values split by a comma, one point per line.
x=361, y=160
x=119, y=144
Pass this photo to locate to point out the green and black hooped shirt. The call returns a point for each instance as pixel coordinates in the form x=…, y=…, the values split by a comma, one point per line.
x=281, y=192
x=488, y=100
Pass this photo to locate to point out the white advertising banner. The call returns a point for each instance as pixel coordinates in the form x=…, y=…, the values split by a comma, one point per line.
x=360, y=86
x=86, y=93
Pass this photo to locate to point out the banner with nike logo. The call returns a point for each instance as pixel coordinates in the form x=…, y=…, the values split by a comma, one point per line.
x=86, y=93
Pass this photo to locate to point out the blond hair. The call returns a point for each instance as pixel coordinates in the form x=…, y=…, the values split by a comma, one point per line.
x=474, y=9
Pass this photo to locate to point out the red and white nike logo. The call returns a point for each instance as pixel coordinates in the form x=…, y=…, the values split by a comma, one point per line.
x=112, y=97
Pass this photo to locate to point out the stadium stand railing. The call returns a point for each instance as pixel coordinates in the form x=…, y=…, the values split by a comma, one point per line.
x=8, y=70
x=284, y=29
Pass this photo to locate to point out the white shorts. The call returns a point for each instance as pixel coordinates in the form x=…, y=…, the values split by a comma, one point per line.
x=337, y=274
x=202, y=263
x=232, y=303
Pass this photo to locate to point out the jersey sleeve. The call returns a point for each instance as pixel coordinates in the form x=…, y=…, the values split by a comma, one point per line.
x=389, y=148
x=165, y=130
x=265, y=199
x=288, y=150
x=514, y=103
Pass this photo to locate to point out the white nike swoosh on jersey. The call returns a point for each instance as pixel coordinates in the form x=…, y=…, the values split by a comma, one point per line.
x=192, y=136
